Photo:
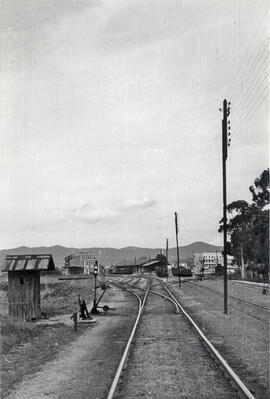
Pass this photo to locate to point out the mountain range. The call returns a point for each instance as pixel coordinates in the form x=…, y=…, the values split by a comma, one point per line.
x=113, y=256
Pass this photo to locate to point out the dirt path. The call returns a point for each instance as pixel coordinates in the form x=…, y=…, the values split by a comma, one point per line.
x=86, y=367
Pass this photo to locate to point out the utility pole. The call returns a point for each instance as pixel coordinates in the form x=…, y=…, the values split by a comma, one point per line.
x=225, y=145
x=167, y=249
x=243, y=272
x=177, y=246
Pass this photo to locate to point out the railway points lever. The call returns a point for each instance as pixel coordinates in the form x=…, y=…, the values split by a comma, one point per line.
x=96, y=302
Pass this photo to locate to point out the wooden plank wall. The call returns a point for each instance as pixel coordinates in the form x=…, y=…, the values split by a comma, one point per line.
x=24, y=294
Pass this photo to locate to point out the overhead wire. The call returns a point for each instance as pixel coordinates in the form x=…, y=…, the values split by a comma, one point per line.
x=246, y=120
x=260, y=25
x=253, y=97
x=253, y=79
x=253, y=88
x=248, y=84
x=250, y=111
x=256, y=61
x=239, y=109
x=249, y=87
x=255, y=109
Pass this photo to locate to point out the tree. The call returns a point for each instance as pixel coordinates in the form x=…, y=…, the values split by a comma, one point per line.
x=260, y=190
x=162, y=259
x=248, y=225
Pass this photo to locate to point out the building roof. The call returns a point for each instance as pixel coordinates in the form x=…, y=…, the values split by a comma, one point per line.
x=28, y=262
x=215, y=254
x=85, y=253
x=206, y=253
x=151, y=262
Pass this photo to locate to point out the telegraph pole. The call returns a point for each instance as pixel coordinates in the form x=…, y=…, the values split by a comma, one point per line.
x=177, y=246
x=167, y=249
x=225, y=144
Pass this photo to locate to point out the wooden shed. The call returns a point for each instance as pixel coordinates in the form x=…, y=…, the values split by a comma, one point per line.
x=24, y=283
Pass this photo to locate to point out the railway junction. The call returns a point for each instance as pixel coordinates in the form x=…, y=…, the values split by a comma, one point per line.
x=163, y=341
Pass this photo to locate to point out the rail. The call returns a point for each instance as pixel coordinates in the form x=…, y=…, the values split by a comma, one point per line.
x=156, y=293
x=240, y=386
x=231, y=296
x=125, y=353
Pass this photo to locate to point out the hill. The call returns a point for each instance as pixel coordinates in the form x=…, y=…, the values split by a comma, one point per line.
x=114, y=256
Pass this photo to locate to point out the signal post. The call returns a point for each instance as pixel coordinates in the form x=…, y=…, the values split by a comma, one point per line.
x=94, y=308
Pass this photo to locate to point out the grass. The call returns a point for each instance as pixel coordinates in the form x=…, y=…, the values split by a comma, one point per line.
x=15, y=332
x=34, y=347
x=56, y=298
x=61, y=297
x=21, y=342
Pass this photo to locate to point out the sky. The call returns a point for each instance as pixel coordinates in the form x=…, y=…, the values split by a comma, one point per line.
x=110, y=121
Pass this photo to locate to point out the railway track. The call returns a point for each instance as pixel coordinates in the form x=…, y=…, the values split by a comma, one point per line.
x=141, y=301
x=151, y=312
x=241, y=300
x=237, y=305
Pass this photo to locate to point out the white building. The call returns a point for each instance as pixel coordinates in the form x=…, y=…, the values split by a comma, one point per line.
x=209, y=260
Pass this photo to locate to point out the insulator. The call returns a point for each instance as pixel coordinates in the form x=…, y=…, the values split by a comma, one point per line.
x=229, y=134
x=229, y=128
x=229, y=103
x=229, y=122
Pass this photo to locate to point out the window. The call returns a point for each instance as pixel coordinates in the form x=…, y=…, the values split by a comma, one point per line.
x=21, y=280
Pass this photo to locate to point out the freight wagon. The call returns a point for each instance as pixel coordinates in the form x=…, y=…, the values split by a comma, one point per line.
x=121, y=270
x=184, y=271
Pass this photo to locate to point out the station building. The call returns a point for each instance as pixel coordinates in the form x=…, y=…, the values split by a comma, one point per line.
x=81, y=263
x=145, y=267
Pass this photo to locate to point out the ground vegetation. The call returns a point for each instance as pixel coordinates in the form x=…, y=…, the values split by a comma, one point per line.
x=25, y=346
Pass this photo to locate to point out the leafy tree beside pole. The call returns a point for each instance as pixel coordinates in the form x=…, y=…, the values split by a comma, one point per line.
x=248, y=227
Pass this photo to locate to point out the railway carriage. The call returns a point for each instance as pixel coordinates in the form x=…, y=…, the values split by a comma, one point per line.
x=184, y=271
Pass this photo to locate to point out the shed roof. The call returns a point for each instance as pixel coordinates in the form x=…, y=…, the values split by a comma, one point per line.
x=151, y=262
x=28, y=262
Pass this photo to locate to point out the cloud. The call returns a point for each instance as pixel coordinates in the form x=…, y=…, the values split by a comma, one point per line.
x=136, y=204
x=89, y=213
